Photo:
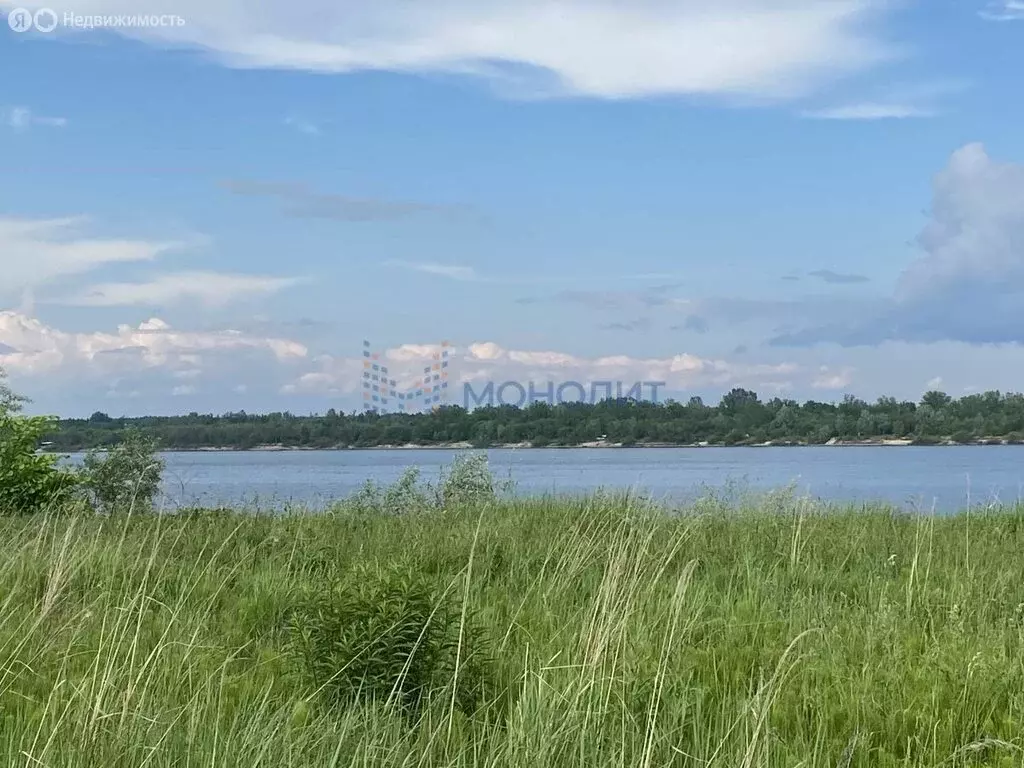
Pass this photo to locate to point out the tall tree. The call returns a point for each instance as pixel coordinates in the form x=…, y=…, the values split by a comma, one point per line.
x=9, y=401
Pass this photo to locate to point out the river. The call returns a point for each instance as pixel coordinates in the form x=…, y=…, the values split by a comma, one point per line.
x=927, y=478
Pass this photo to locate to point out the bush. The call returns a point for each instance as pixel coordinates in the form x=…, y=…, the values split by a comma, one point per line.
x=468, y=482
x=387, y=638
x=127, y=477
x=405, y=495
x=29, y=481
x=10, y=403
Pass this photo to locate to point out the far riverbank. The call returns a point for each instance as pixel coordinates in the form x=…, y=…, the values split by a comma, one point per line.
x=596, y=445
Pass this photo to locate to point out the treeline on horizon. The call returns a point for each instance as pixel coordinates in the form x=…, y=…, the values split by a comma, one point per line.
x=741, y=418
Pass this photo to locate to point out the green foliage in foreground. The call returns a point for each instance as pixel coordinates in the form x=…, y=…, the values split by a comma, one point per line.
x=125, y=478
x=740, y=418
x=29, y=481
x=593, y=633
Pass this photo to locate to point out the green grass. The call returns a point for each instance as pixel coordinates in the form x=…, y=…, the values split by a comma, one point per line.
x=615, y=635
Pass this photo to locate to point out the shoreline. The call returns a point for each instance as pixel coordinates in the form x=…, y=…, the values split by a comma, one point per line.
x=594, y=445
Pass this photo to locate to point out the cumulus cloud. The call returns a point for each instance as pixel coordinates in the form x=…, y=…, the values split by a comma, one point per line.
x=968, y=283
x=489, y=362
x=209, y=288
x=166, y=369
x=602, y=48
x=34, y=348
x=36, y=251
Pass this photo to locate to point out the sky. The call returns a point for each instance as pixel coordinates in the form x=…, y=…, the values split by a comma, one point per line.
x=209, y=206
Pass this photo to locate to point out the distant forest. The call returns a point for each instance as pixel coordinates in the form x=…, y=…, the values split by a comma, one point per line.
x=741, y=418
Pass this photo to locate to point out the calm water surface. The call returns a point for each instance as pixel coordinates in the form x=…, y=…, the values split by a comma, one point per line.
x=943, y=478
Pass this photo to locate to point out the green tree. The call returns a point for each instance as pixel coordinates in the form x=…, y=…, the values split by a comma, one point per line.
x=29, y=481
x=9, y=401
x=936, y=400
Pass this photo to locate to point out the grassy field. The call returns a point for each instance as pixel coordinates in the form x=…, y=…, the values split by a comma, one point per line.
x=530, y=633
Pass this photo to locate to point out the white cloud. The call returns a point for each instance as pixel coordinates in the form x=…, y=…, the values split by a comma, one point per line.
x=602, y=48
x=452, y=271
x=831, y=379
x=485, y=362
x=322, y=383
x=976, y=229
x=894, y=102
x=1004, y=10
x=23, y=118
x=968, y=283
x=36, y=348
x=209, y=288
x=869, y=111
x=37, y=251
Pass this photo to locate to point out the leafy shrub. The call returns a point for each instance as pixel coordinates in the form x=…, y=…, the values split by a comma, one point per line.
x=125, y=477
x=388, y=638
x=403, y=496
x=406, y=494
x=467, y=482
x=29, y=481
x=10, y=402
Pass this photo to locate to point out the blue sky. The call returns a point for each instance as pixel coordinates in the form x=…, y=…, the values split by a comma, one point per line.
x=802, y=197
